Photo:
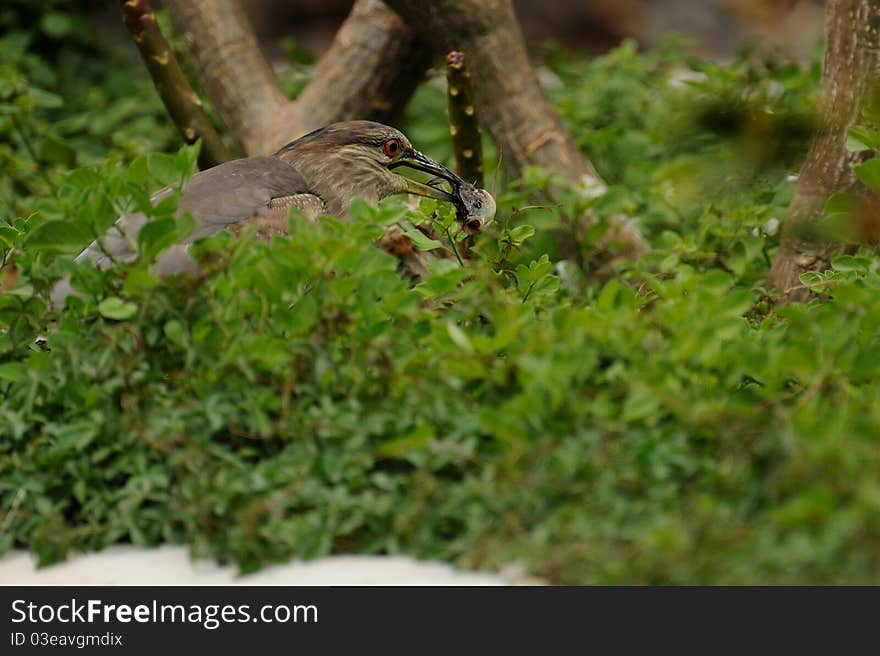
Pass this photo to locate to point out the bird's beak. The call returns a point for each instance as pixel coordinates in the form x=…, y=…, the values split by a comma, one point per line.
x=415, y=160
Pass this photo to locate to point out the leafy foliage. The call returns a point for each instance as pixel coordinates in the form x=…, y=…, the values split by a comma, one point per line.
x=656, y=423
x=62, y=105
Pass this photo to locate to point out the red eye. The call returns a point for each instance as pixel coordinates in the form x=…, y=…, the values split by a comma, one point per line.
x=391, y=147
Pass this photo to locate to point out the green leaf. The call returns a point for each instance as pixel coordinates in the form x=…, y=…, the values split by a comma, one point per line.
x=45, y=99
x=164, y=168
x=427, y=206
x=616, y=295
x=9, y=237
x=83, y=178
x=114, y=307
x=640, y=404
x=861, y=138
x=58, y=236
x=421, y=241
x=459, y=337
x=850, y=263
x=188, y=157
x=362, y=211
x=392, y=211
x=138, y=280
x=520, y=234
x=871, y=110
x=185, y=224
x=56, y=151
x=56, y=24
x=138, y=171
x=304, y=314
x=14, y=372
x=812, y=279
x=175, y=332
x=14, y=45
x=716, y=282
x=737, y=259
x=617, y=200
x=869, y=173
x=156, y=236
x=842, y=204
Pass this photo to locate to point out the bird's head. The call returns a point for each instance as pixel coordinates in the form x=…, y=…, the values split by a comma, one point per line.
x=363, y=159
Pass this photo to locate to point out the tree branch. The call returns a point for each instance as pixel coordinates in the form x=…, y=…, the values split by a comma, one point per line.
x=518, y=115
x=852, y=60
x=370, y=70
x=510, y=102
x=235, y=74
x=183, y=104
x=467, y=140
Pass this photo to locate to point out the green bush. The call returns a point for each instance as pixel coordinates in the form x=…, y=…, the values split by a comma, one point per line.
x=654, y=424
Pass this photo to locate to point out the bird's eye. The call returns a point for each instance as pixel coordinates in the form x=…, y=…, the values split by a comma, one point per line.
x=392, y=147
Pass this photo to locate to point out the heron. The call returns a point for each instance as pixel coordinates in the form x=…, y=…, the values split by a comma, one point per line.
x=319, y=173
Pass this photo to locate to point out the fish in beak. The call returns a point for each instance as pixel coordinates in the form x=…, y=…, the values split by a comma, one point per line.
x=474, y=208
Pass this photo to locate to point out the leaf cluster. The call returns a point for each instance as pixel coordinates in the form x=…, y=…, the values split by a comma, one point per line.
x=302, y=397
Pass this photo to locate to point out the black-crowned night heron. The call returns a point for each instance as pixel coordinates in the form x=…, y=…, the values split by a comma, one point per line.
x=319, y=173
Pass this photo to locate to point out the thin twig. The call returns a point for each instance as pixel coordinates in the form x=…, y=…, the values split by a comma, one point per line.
x=13, y=509
x=454, y=249
x=183, y=104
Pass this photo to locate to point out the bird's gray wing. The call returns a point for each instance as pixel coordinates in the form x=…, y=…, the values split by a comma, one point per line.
x=230, y=195
x=240, y=190
x=251, y=191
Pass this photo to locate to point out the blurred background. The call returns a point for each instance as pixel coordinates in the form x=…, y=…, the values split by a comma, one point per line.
x=715, y=28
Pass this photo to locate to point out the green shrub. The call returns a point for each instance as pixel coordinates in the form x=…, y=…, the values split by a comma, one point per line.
x=301, y=397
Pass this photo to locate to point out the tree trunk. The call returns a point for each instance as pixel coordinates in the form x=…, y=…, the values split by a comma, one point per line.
x=510, y=102
x=236, y=76
x=852, y=61
x=371, y=69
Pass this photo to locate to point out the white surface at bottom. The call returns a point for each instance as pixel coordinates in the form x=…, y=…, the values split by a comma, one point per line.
x=172, y=565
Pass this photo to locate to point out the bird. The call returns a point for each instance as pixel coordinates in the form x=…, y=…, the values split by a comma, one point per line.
x=319, y=173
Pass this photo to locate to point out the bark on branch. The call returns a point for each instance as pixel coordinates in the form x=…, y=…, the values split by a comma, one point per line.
x=370, y=70
x=852, y=61
x=467, y=139
x=183, y=104
x=510, y=102
x=235, y=74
